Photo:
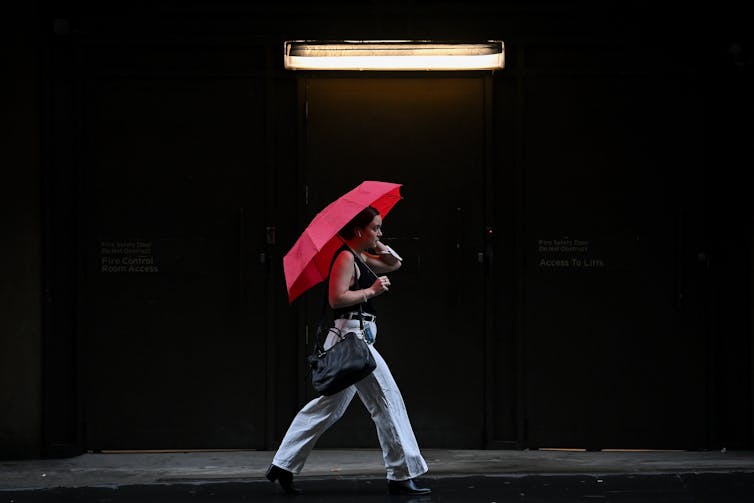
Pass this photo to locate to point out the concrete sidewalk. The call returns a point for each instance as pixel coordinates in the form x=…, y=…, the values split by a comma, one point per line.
x=125, y=469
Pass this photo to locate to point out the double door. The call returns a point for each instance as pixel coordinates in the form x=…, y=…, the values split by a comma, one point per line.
x=427, y=134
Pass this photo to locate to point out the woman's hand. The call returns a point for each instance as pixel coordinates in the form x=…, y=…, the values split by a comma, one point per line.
x=380, y=286
x=382, y=260
x=381, y=249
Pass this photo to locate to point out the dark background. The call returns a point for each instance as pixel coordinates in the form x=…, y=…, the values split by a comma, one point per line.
x=576, y=226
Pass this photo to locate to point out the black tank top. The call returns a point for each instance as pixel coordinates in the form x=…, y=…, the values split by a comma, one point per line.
x=365, y=280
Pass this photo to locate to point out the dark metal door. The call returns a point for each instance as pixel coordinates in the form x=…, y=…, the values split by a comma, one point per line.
x=428, y=134
x=172, y=233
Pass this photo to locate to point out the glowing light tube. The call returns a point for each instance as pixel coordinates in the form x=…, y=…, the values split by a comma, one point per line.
x=393, y=55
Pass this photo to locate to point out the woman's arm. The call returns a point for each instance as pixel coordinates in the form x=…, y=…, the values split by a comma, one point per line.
x=384, y=261
x=342, y=275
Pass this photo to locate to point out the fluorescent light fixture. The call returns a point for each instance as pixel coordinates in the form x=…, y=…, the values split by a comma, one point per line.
x=393, y=55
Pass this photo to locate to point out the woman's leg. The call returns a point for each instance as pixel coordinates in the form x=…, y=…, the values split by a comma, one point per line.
x=311, y=422
x=379, y=393
x=308, y=425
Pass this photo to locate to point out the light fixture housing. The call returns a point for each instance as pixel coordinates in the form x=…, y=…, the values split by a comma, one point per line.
x=391, y=55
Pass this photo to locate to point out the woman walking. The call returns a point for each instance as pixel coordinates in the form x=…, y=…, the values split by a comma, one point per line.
x=353, y=284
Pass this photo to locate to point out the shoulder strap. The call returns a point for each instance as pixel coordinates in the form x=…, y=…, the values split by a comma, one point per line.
x=357, y=256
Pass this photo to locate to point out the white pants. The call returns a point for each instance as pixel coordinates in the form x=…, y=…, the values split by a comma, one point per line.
x=383, y=400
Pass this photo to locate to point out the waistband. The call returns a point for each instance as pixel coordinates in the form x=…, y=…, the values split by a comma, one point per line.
x=355, y=316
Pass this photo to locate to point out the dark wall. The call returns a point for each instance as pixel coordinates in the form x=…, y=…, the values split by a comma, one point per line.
x=729, y=112
x=665, y=80
x=20, y=260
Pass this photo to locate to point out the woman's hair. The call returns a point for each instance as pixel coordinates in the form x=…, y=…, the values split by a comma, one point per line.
x=360, y=221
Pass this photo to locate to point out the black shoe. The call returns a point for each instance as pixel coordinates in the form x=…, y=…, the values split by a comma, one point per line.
x=406, y=487
x=284, y=477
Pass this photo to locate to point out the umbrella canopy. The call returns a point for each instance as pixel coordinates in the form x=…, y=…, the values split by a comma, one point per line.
x=307, y=263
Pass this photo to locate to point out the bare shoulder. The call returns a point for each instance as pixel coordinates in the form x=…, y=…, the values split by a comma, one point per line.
x=343, y=260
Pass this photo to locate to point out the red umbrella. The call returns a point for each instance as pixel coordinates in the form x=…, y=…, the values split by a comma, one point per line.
x=307, y=263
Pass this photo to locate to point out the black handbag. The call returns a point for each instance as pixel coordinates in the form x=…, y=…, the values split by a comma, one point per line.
x=347, y=362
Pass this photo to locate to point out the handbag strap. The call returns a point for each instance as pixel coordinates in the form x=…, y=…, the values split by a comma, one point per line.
x=357, y=256
x=319, y=344
x=355, y=277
